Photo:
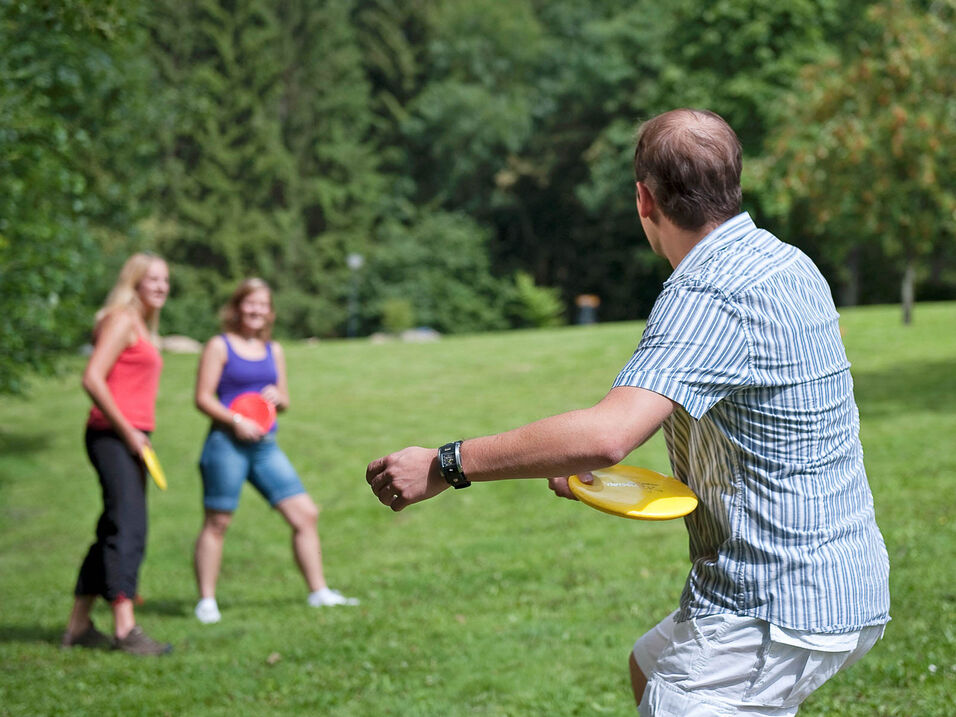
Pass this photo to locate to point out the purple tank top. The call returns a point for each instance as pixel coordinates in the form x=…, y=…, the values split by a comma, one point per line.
x=240, y=375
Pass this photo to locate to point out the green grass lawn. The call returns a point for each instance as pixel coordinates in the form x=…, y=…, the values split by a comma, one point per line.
x=497, y=600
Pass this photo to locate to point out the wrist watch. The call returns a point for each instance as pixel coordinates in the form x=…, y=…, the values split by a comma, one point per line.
x=449, y=464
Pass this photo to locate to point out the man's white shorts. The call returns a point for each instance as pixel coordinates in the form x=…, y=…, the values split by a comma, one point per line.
x=723, y=665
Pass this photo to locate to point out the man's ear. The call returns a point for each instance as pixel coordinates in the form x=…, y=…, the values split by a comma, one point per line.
x=646, y=204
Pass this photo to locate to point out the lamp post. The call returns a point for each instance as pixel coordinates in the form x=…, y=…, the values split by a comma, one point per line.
x=355, y=262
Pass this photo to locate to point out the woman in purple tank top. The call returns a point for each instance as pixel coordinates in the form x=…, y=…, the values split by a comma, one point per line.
x=242, y=359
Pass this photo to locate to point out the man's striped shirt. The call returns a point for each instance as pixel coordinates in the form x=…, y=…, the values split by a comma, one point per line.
x=745, y=338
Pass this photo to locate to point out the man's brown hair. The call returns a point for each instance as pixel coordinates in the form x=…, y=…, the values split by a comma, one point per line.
x=690, y=160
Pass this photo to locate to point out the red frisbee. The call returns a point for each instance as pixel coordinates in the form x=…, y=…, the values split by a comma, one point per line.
x=253, y=406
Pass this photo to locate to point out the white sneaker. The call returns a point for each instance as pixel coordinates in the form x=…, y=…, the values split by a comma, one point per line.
x=207, y=611
x=326, y=597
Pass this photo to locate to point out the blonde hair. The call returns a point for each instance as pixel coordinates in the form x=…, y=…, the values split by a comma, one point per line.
x=230, y=316
x=124, y=295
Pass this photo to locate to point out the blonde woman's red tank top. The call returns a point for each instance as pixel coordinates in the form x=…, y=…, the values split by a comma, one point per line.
x=134, y=382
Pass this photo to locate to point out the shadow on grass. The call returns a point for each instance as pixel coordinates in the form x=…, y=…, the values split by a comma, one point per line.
x=166, y=608
x=184, y=608
x=30, y=634
x=23, y=443
x=926, y=386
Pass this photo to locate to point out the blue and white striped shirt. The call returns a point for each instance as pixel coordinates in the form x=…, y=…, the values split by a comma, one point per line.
x=745, y=338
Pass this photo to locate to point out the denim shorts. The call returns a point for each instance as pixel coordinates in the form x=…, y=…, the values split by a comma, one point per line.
x=725, y=665
x=226, y=463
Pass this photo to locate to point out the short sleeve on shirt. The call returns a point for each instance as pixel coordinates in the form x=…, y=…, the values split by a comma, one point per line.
x=694, y=349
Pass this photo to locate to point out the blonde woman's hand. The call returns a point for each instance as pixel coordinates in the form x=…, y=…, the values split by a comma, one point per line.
x=136, y=440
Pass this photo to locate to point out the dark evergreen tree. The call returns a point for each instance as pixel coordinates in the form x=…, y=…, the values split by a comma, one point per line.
x=268, y=170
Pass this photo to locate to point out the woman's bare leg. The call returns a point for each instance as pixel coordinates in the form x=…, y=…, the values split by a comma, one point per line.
x=80, y=615
x=209, y=545
x=302, y=515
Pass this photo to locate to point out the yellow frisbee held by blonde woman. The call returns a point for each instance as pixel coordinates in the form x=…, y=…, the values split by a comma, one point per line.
x=152, y=465
x=636, y=493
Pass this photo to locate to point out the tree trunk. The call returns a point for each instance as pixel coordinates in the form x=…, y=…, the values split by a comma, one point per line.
x=906, y=291
x=850, y=286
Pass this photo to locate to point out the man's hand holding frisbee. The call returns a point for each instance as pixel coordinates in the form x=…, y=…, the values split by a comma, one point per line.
x=559, y=485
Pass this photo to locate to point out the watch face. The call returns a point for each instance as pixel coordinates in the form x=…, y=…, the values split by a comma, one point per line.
x=446, y=462
x=449, y=466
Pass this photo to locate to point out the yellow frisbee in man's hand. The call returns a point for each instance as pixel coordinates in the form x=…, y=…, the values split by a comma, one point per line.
x=152, y=465
x=636, y=493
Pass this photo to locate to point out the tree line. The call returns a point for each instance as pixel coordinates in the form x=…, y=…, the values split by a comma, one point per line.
x=476, y=154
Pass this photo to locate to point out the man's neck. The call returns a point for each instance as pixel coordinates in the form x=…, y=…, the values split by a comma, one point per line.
x=677, y=243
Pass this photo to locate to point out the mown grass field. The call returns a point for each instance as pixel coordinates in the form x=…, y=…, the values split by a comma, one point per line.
x=498, y=600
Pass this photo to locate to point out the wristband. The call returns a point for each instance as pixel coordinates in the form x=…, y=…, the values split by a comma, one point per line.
x=449, y=464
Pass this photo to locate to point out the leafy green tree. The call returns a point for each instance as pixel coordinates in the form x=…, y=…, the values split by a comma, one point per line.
x=398, y=315
x=565, y=207
x=530, y=306
x=478, y=104
x=864, y=154
x=75, y=129
x=608, y=66
x=437, y=263
x=737, y=56
x=456, y=98
x=526, y=121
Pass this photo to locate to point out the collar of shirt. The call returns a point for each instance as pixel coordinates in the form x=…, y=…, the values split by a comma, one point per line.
x=723, y=235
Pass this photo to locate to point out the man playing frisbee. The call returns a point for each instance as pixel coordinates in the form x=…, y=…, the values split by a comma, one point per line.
x=742, y=366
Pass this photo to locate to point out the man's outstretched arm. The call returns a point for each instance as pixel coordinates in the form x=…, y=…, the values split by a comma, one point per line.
x=572, y=442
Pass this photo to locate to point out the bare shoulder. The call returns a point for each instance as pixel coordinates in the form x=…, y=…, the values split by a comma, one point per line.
x=116, y=325
x=215, y=348
x=216, y=341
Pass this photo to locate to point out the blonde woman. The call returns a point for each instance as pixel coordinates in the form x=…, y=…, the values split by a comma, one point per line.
x=122, y=378
x=244, y=358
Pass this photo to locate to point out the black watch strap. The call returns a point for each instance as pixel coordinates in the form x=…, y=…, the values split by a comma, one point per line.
x=449, y=463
